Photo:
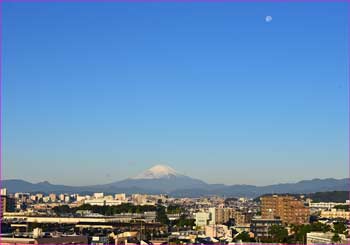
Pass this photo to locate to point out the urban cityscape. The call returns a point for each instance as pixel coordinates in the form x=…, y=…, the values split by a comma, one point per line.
x=174, y=122
x=138, y=218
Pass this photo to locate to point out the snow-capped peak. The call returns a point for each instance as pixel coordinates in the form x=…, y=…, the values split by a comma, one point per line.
x=158, y=172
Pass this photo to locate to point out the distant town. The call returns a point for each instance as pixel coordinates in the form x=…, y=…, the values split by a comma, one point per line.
x=61, y=218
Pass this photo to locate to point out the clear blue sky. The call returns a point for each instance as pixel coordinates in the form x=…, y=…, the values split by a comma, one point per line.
x=97, y=92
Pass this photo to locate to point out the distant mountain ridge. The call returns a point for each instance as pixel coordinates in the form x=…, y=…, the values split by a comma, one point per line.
x=162, y=179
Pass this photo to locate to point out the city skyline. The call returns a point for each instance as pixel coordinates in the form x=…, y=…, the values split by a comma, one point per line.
x=230, y=93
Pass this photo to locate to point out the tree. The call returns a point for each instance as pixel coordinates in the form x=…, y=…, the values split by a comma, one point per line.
x=184, y=221
x=336, y=238
x=318, y=226
x=63, y=209
x=161, y=215
x=278, y=233
x=339, y=227
x=243, y=236
x=300, y=232
x=174, y=209
x=345, y=207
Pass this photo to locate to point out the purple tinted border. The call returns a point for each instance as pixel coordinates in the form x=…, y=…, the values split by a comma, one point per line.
x=169, y=1
x=182, y=1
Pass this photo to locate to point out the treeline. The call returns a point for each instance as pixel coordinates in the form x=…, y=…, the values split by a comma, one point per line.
x=326, y=196
x=105, y=210
x=161, y=211
x=329, y=196
x=344, y=207
x=279, y=234
x=175, y=209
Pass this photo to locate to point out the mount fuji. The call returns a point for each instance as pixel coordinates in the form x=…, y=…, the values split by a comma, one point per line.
x=161, y=178
x=158, y=172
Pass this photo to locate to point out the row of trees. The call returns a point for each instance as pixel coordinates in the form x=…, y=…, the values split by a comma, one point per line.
x=161, y=211
x=175, y=209
x=105, y=210
x=117, y=209
x=279, y=234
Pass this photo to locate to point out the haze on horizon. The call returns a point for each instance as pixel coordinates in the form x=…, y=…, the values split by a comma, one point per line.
x=98, y=92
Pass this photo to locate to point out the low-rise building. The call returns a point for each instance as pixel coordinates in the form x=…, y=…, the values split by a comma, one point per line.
x=99, y=240
x=325, y=205
x=260, y=227
x=103, y=202
x=324, y=238
x=120, y=196
x=335, y=213
x=220, y=231
x=98, y=195
x=53, y=197
x=38, y=237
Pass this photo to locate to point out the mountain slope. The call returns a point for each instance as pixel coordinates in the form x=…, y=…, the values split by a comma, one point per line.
x=163, y=179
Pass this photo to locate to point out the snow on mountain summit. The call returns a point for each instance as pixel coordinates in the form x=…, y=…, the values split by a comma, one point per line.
x=158, y=172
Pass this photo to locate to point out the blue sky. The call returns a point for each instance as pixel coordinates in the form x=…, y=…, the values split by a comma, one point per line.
x=97, y=92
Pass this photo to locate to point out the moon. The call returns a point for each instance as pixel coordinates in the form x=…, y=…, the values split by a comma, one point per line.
x=268, y=18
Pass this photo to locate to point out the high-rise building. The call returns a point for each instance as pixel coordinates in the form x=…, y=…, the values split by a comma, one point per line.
x=202, y=219
x=287, y=208
x=223, y=215
x=8, y=204
x=3, y=192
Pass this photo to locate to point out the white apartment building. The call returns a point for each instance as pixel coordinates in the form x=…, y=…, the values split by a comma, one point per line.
x=103, y=202
x=335, y=213
x=67, y=199
x=120, y=196
x=98, y=195
x=325, y=205
x=3, y=192
x=323, y=238
x=202, y=219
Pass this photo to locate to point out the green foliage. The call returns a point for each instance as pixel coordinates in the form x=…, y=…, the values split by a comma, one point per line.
x=105, y=210
x=161, y=215
x=301, y=230
x=243, y=236
x=184, y=221
x=344, y=207
x=326, y=196
x=339, y=227
x=329, y=196
x=336, y=238
x=174, y=209
x=278, y=233
x=63, y=209
x=318, y=226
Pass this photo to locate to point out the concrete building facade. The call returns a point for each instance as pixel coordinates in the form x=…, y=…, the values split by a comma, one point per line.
x=287, y=208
